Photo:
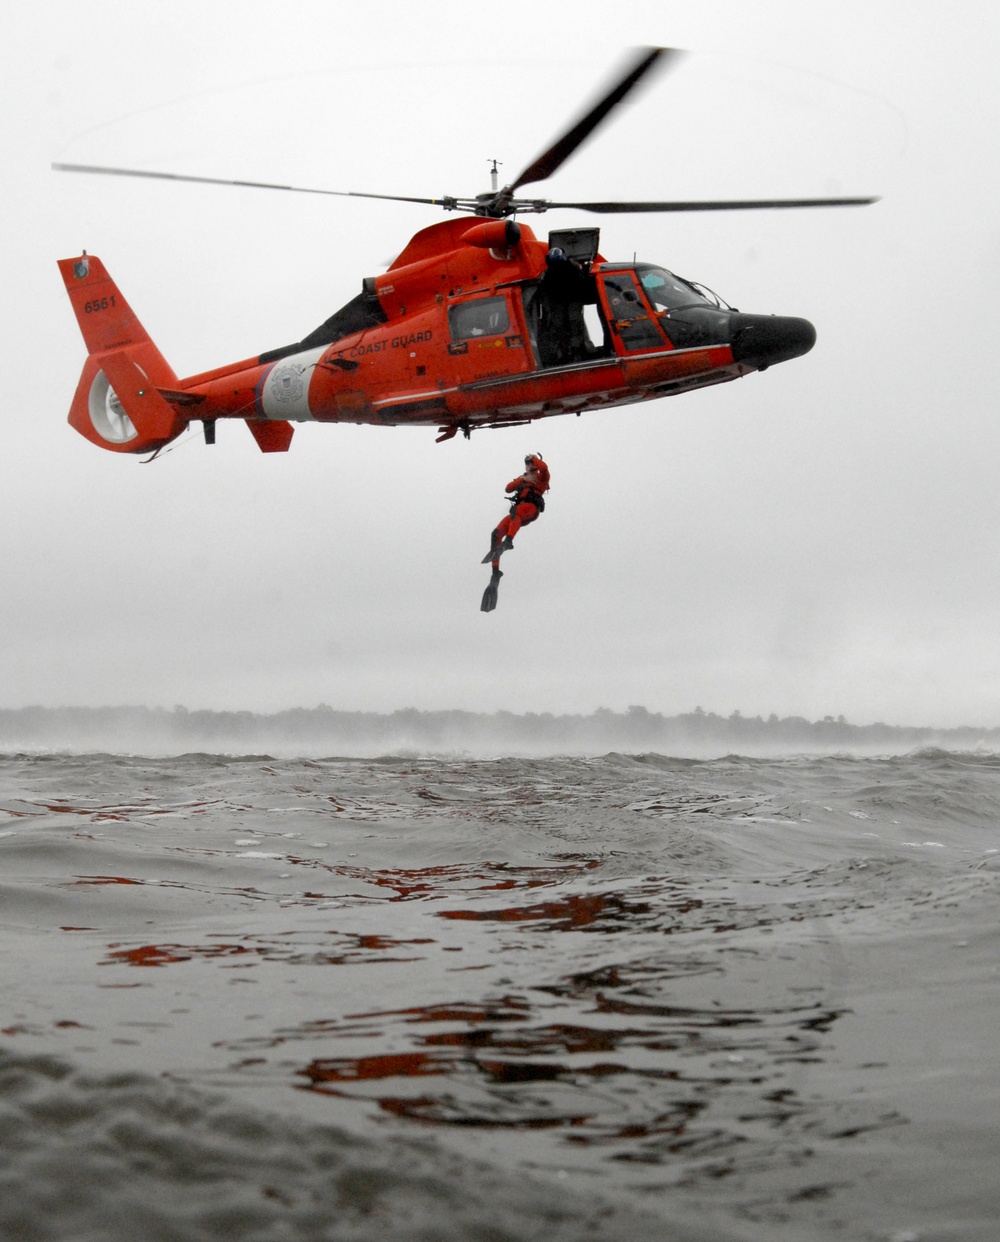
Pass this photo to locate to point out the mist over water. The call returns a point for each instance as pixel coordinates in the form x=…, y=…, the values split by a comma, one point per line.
x=614, y=996
x=323, y=731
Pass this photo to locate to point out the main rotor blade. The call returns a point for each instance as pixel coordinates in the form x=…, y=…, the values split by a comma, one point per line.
x=749, y=204
x=254, y=185
x=560, y=151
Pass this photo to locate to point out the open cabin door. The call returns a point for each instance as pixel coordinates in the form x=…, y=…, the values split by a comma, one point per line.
x=562, y=311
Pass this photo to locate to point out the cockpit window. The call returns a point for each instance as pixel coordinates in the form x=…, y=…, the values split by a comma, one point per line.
x=667, y=291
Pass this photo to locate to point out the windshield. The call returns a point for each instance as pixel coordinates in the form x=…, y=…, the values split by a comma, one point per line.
x=669, y=292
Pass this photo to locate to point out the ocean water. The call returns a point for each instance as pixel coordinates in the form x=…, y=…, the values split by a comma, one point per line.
x=436, y=998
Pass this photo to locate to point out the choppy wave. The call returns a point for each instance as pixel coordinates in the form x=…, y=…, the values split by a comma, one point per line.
x=127, y=1156
x=252, y=997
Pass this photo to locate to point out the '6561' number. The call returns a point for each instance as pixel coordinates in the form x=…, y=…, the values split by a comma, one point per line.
x=98, y=304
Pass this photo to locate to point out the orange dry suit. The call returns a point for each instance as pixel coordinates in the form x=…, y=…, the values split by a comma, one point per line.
x=527, y=499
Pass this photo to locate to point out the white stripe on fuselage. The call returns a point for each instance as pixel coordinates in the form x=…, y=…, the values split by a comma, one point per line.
x=285, y=394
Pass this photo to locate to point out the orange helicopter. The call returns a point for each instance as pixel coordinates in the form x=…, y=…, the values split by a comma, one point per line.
x=476, y=324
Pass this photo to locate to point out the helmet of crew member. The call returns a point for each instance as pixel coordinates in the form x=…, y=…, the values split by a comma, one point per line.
x=535, y=463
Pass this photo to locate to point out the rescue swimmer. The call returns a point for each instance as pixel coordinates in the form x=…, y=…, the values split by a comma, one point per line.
x=527, y=501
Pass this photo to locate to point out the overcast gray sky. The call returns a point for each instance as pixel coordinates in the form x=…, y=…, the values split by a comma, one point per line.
x=822, y=538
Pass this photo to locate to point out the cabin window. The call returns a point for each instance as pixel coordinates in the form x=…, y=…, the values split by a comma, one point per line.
x=479, y=317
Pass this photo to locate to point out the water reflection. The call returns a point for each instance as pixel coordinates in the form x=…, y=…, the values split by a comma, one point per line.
x=641, y=1083
x=288, y=950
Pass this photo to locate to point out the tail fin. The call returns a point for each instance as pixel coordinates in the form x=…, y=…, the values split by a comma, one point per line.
x=117, y=404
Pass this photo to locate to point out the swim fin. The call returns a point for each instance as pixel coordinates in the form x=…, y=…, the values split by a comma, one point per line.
x=498, y=549
x=490, y=594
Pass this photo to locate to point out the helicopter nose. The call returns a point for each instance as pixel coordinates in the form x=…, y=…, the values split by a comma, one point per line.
x=762, y=340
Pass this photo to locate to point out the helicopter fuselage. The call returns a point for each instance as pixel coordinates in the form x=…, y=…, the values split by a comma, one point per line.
x=474, y=325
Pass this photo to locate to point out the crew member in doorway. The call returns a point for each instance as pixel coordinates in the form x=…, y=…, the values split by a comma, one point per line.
x=562, y=332
x=527, y=501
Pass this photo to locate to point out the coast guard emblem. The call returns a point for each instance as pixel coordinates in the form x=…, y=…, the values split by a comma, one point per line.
x=286, y=383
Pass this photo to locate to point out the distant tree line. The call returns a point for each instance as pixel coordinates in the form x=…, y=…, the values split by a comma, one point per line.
x=326, y=730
